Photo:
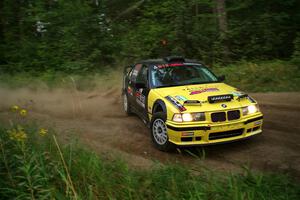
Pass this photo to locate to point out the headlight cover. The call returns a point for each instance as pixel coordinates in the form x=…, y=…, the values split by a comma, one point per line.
x=189, y=117
x=250, y=109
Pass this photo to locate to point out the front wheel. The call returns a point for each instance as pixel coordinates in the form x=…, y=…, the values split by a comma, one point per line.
x=159, y=132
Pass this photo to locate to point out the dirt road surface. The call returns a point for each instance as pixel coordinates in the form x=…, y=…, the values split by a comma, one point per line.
x=97, y=119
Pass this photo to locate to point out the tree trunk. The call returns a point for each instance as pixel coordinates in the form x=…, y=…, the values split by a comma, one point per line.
x=222, y=16
x=1, y=21
x=222, y=21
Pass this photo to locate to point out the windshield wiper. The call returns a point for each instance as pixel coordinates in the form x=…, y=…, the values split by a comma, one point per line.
x=173, y=85
x=194, y=83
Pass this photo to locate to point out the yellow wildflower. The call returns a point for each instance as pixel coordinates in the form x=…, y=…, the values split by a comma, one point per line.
x=17, y=134
x=21, y=136
x=43, y=132
x=23, y=112
x=12, y=133
x=15, y=108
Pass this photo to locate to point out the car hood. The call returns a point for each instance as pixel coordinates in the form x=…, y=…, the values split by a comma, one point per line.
x=200, y=93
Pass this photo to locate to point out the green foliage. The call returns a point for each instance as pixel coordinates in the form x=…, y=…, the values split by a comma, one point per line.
x=38, y=167
x=296, y=55
x=186, y=32
x=84, y=35
x=262, y=29
x=54, y=35
x=276, y=76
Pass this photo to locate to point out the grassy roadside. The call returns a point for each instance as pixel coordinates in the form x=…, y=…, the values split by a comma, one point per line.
x=268, y=76
x=33, y=165
x=106, y=78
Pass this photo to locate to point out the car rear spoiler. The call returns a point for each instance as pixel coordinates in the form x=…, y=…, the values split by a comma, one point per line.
x=171, y=59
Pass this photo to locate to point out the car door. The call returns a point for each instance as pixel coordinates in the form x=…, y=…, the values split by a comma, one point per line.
x=141, y=92
x=131, y=89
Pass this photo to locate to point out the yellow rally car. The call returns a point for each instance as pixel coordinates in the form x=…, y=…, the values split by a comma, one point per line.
x=185, y=104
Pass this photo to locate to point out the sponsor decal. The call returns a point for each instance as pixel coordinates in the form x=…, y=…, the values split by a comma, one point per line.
x=170, y=65
x=251, y=99
x=192, y=102
x=187, y=134
x=135, y=72
x=176, y=103
x=204, y=90
x=236, y=93
x=242, y=95
x=161, y=66
x=180, y=98
x=140, y=98
x=220, y=98
x=129, y=90
x=258, y=123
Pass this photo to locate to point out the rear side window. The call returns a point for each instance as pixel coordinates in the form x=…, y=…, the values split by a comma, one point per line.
x=134, y=73
x=139, y=74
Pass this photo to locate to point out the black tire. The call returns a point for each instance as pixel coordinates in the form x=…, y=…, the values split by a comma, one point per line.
x=127, y=108
x=160, y=139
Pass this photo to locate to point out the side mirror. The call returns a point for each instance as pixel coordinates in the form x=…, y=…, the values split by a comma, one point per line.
x=221, y=78
x=140, y=85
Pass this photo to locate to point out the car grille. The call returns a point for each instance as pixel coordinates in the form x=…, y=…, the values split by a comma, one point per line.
x=218, y=117
x=234, y=114
x=221, y=116
x=226, y=134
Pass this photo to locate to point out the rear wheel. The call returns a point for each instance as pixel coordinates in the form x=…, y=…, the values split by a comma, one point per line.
x=159, y=132
x=126, y=105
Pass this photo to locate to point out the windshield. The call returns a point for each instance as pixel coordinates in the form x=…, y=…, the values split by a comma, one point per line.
x=180, y=74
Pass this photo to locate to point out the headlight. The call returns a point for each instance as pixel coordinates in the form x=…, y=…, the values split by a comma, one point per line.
x=250, y=109
x=189, y=117
x=177, y=118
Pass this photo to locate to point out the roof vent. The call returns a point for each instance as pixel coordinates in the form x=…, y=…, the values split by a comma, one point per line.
x=172, y=59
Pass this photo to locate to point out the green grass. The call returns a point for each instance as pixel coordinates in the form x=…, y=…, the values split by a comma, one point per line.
x=105, y=78
x=271, y=76
x=38, y=167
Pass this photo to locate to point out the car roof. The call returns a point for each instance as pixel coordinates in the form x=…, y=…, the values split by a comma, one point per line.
x=164, y=61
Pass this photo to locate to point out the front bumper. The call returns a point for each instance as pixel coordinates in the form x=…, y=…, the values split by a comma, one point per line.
x=205, y=134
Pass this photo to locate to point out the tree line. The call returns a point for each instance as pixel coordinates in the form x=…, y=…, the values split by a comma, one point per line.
x=84, y=35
